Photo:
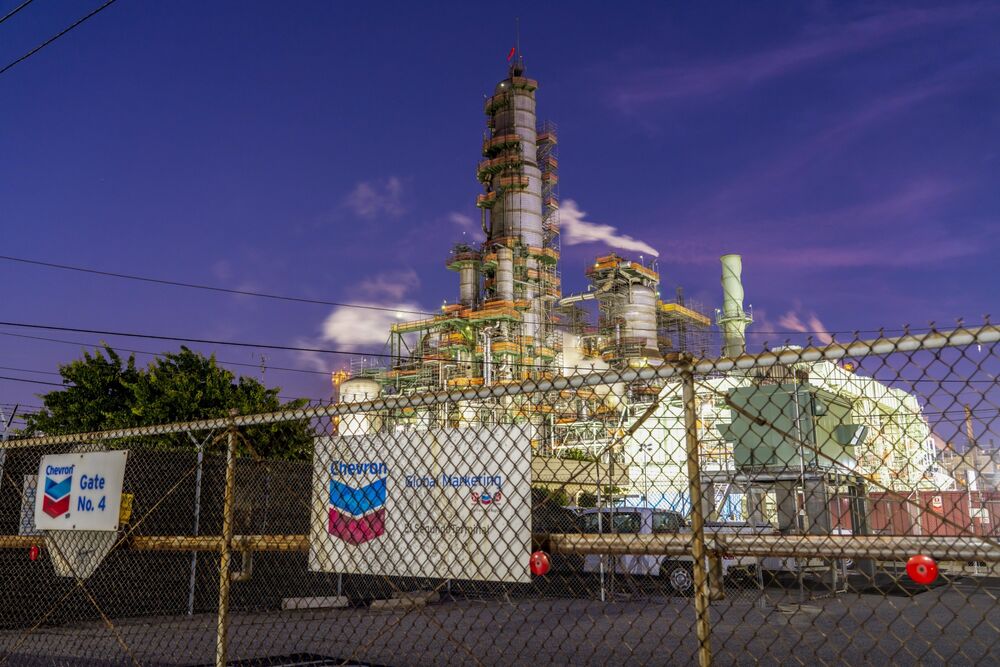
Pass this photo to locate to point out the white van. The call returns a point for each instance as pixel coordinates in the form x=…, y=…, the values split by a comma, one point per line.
x=677, y=571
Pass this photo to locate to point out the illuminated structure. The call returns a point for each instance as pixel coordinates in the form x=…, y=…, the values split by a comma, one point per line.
x=510, y=323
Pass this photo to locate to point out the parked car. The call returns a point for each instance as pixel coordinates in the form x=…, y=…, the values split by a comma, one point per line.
x=676, y=571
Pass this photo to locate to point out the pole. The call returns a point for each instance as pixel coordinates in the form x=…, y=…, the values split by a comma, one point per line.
x=5, y=423
x=703, y=624
x=969, y=432
x=197, y=517
x=803, y=514
x=226, y=550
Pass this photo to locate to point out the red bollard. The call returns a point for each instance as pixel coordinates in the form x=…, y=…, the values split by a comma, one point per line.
x=33, y=552
x=922, y=569
x=540, y=563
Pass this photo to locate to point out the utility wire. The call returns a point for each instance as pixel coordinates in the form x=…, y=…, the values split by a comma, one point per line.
x=243, y=344
x=78, y=343
x=55, y=37
x=343, y=304
x=968, y=382
x=202, y=341
x=212, y=288
x=28, y=370
x=53, y=384
x=16, y=10
x=57, y=384
x=977, y=411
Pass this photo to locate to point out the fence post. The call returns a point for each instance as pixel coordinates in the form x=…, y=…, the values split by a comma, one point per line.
x=225, y=555
x=193, y=579
x=702, y=594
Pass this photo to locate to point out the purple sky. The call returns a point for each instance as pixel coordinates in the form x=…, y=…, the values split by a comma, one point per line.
x=850, y=152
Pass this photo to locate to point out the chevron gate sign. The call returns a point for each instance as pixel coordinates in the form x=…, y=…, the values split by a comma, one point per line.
x=80, y=491
x=448, y=503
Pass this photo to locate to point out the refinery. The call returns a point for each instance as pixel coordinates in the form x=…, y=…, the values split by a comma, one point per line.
x=511, y=322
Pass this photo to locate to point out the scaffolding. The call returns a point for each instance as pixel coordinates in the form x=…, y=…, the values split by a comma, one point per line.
x=684, y=326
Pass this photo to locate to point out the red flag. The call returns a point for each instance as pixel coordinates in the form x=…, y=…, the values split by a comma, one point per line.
x=511, y=54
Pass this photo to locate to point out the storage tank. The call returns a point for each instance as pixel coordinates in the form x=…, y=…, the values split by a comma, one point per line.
x=468, y=284
x=358, y=390
x=639, y=313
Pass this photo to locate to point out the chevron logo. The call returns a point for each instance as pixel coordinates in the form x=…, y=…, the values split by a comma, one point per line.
x=55, y=502
x=357, y=514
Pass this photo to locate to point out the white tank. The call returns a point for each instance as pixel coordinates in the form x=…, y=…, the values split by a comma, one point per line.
x=575, y=363
x=468, y=285
x=358, y=390
x=640, y=315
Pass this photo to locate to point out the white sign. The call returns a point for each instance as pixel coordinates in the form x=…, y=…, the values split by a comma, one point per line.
x=80, y=491
x=443, y=503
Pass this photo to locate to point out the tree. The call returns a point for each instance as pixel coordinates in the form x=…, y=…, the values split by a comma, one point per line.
x=542, y=495
x=105, y=392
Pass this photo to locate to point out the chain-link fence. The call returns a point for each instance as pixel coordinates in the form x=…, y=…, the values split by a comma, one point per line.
x=761, y=508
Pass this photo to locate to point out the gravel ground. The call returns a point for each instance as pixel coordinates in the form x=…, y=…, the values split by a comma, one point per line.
x=945, y=626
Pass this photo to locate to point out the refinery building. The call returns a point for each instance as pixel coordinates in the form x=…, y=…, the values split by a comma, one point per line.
x=509, y=321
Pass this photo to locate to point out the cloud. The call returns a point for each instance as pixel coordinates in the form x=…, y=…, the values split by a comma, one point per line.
x=389, y=284
x=354, y=328
x=351, y=328
x=370, y=199
x=462, y=220
x=577, y=230
x=703, y=79
x=793, y=321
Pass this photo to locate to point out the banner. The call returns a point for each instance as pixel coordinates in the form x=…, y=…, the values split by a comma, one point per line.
x=443, y=503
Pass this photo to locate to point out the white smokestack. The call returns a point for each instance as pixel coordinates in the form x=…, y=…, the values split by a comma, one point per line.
x=732, y=319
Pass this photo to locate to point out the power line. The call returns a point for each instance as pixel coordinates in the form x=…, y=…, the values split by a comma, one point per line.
x=212, y=288
x=22, y=405
x=57, y=36
x=362, y=306
x=31, y=370
x=78, y=343
x=242, y=344
x=201, y=341
x=28, y=370
x=53, y=384
x=16, y=10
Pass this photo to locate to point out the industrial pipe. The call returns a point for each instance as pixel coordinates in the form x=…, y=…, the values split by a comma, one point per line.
x=879, y=547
